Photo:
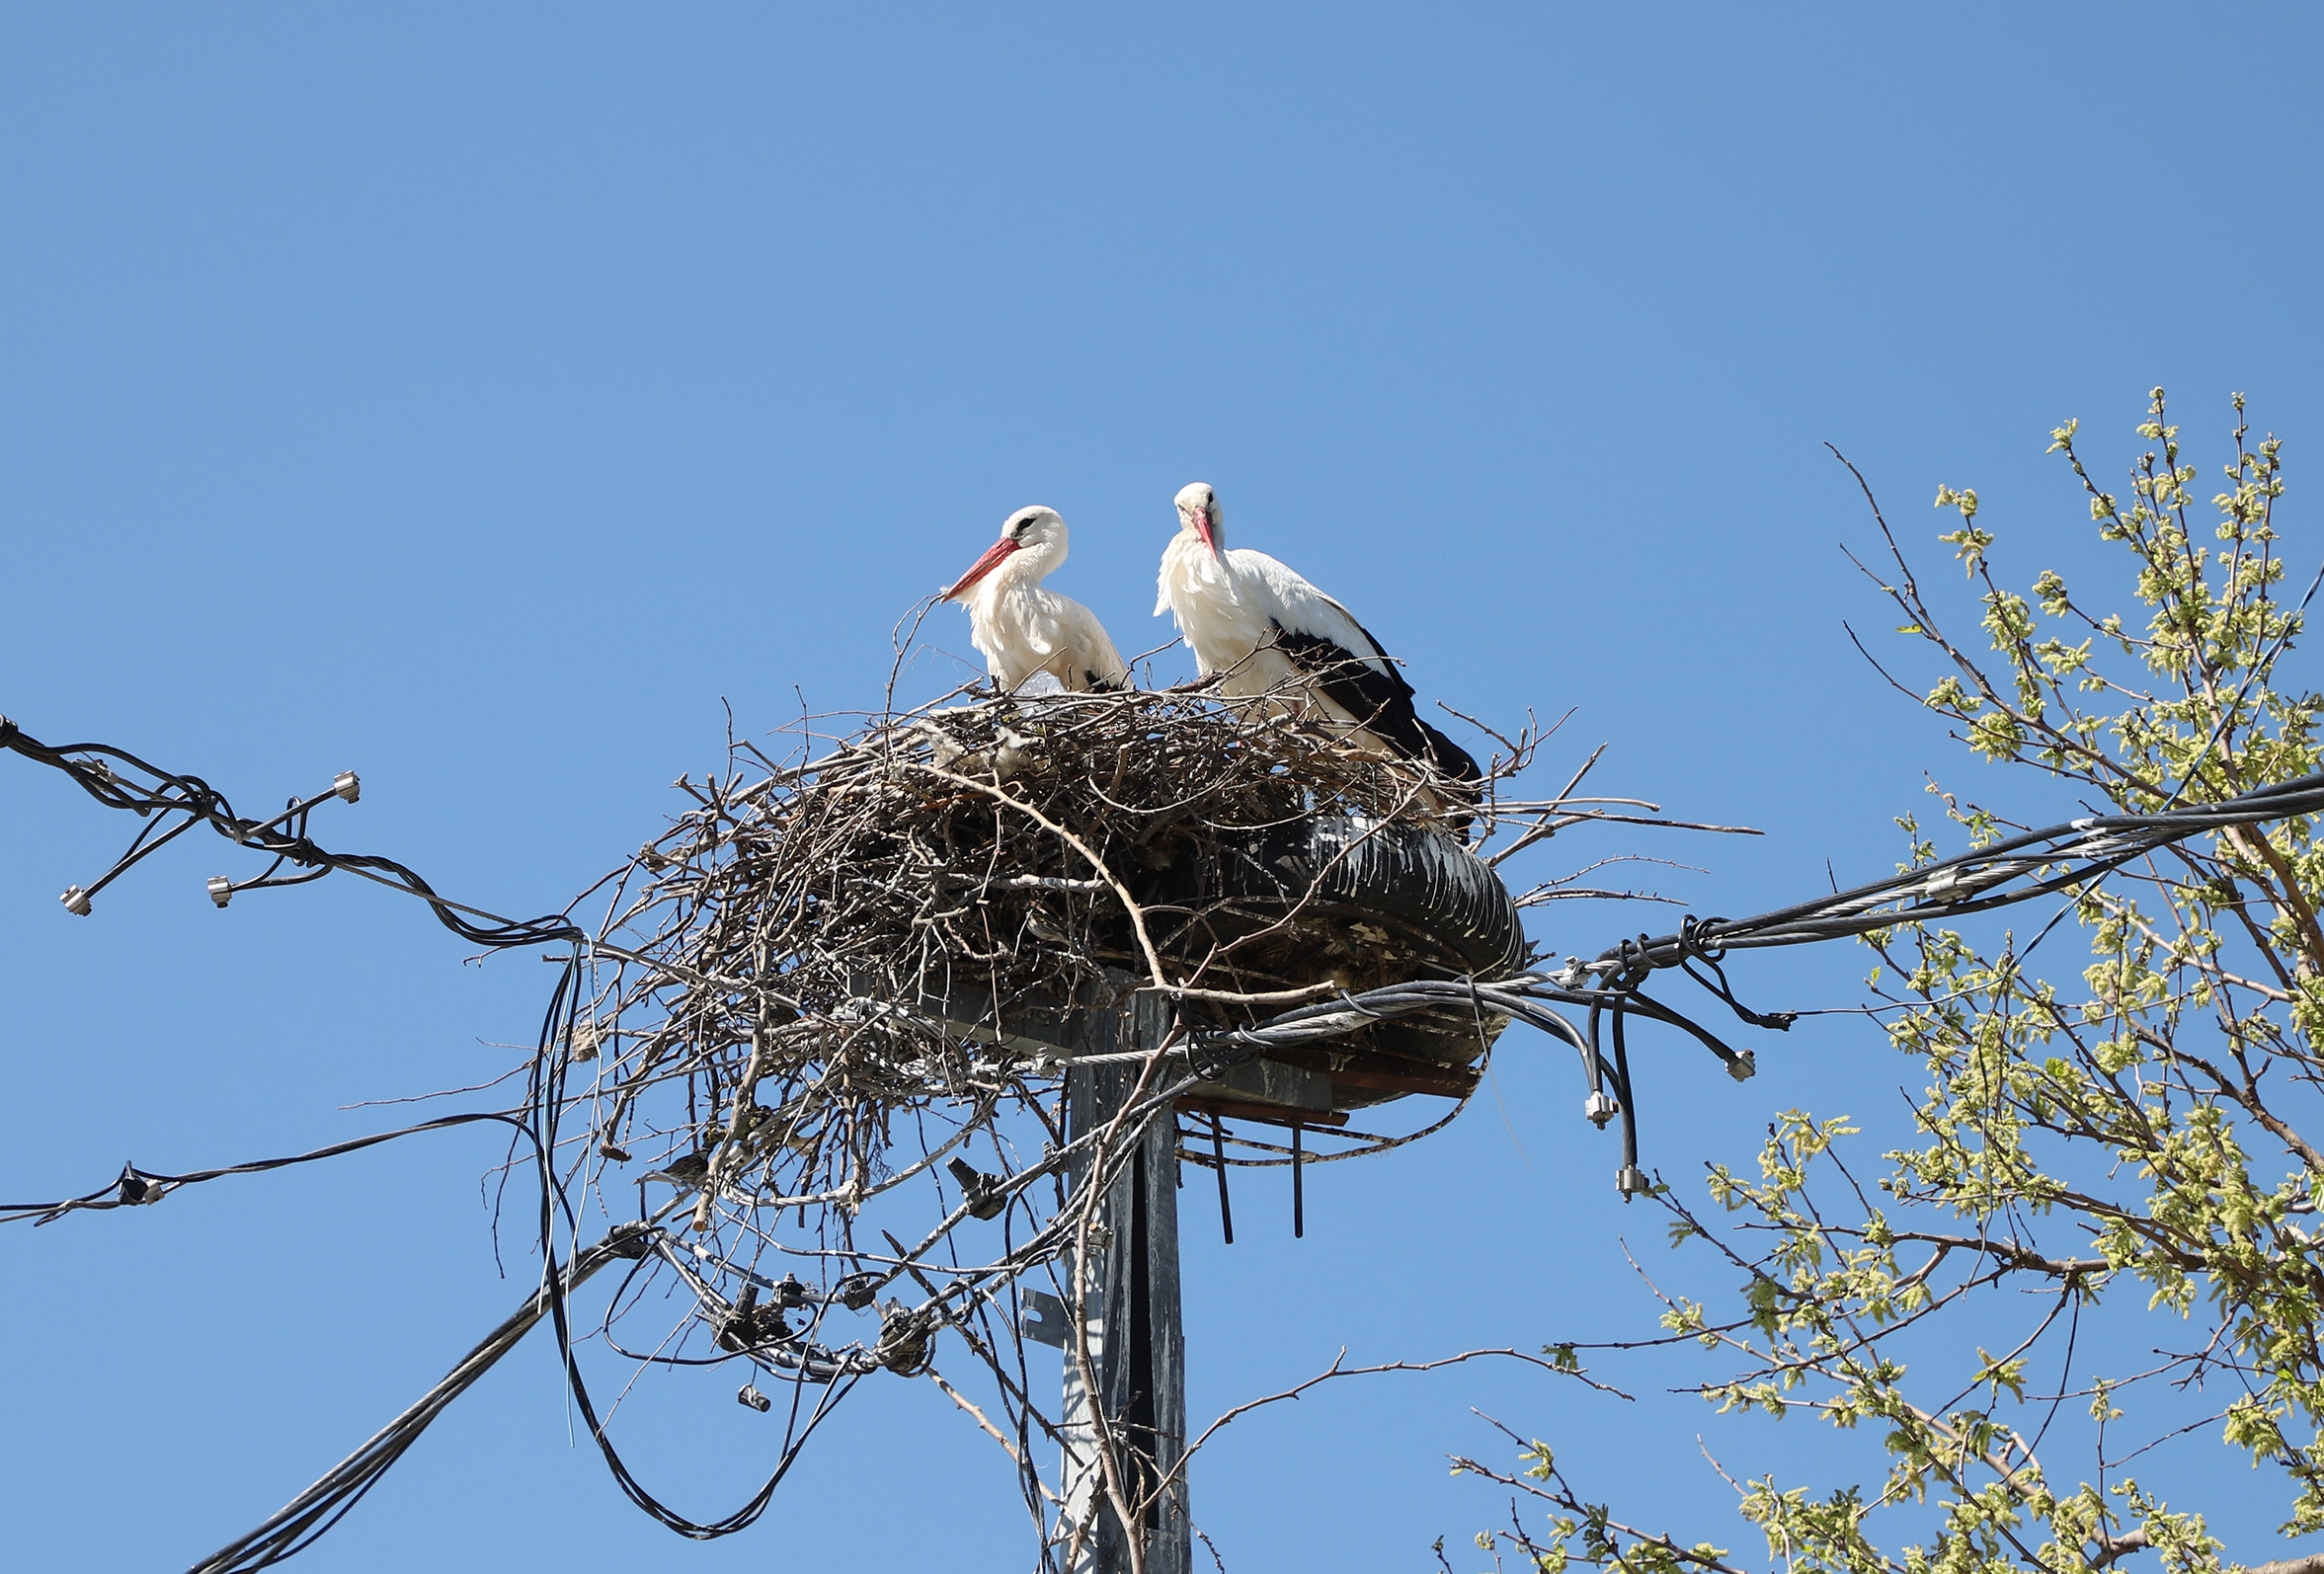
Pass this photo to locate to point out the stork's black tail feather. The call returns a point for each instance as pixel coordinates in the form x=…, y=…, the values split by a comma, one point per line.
x=1451, y=758
x=1458, y=766
x=1416, y=739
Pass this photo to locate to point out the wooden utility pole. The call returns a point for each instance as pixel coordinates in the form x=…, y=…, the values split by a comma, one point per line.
x=1134, y=1391
x=1135, y=1383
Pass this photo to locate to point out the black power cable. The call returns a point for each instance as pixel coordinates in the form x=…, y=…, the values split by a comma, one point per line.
x=119, y=779
x=2061, y=858
x=97, y=770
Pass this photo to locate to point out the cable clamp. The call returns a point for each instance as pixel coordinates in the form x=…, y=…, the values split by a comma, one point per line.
x=1691, y=941
x=903, y=1344
x=629, y=1240
x=76, y=901
x=984, y=1195
x=222, y=889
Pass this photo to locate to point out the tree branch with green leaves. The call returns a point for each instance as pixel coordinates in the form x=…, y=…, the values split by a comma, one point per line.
x=2120, y=1156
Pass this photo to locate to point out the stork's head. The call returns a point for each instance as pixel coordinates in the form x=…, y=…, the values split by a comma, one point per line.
x=1036, y=531
x=1198, y=514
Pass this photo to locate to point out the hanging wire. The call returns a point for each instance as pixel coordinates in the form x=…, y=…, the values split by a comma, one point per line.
x=1609, y=988
x=119, y=779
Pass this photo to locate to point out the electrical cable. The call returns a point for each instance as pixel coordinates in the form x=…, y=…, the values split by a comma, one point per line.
x=91, y=767
x=2068, y=858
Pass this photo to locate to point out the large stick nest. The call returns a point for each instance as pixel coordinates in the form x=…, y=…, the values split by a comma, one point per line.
x=825, y=926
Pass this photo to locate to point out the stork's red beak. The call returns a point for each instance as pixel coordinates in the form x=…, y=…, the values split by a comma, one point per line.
x=984, y=566
x=1202, y=527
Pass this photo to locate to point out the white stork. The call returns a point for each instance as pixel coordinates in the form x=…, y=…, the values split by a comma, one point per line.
x=1248, y=616
x=1024, y=629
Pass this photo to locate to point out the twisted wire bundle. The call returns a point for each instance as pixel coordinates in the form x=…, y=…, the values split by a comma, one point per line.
x=773, y=1003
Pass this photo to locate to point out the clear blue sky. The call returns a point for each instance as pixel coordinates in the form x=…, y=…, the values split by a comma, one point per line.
x=478, y=397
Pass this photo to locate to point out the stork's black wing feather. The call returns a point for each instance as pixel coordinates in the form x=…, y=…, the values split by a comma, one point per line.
x=1396, y=674
x=1380, y=700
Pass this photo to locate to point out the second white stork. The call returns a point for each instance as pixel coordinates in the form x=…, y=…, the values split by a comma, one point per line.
x=1249, y=617
x=1023, y=628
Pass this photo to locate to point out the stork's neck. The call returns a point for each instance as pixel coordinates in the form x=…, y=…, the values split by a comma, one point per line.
x=1190, y=549
x=1018, y=572
x=1192, y=570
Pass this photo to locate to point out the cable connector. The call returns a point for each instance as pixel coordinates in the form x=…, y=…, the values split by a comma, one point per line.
x=1631, y=1181
x=738, y=1330
x=1599, y=1108
x=1744, y=1067
x=750, y=1399
x=222, y=889
x=76, y=901
x=347, y=785
x=985, y=1197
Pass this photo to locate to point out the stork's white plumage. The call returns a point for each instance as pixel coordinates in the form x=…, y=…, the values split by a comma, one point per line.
x=1023, y=628
x=1254, y=620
